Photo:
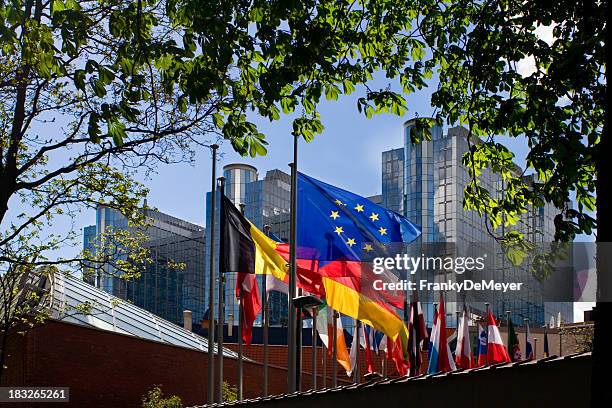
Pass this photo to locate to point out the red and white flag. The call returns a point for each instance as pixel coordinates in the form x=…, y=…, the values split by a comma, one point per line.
x=464, y=357
x=251, y=303
x=275, y=284
x=496, y=351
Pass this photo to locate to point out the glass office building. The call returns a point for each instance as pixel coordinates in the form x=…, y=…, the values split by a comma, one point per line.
x=266, y=201
x=426, y=183
x=163, y=288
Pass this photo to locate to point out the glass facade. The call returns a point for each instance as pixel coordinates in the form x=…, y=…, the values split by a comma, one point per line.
x=161, y=289
x=266, y=202
x=426, y=182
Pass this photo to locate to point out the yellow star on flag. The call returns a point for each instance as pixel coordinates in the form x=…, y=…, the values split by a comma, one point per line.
x=373, y=217
x=334, y=215
x=339, y=202
x=350, y=242
x=339, y=230
x=359, y=208
x=368, y=247
x=383, y=231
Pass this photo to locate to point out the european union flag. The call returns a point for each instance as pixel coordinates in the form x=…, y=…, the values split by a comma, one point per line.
x=335, y=224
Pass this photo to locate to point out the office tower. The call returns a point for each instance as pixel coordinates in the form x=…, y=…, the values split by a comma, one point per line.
x=426, y=182
x=173, y=281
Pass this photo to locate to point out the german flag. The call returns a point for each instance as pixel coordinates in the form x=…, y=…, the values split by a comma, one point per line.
x=244, y=248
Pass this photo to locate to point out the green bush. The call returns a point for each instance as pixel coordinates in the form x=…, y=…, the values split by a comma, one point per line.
x=155, y=399
x=230, y=392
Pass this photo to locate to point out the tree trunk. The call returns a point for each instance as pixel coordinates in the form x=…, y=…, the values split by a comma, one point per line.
x=602, y=338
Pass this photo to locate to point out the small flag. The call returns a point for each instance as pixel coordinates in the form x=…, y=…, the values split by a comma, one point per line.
x=546, y=353
x=244, y=248
x=382, y=346
x=275, y=284
x=395, y=352
x=463, y=354
x=368, y=336
x=441, y=359
x=251, y=303
x=529, y=346
x=513, y=343
x=373, y=336
x=417, y=333
x=433, y=328
x=325, y=329
x=482, y=346
x=354, y=351
x=496, y=351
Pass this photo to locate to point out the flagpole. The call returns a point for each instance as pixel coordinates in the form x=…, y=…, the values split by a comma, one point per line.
x=357, y=359
x=324, y=362
x=508, y=313
x=240, y=330
x=334, y=348
x=315, y=311
x=298, y=347
x=487, y=329
x=291, y=329
x=526, y=320
x=266, y=323
x=220, y=318
x=211, y=281
x=384, y=367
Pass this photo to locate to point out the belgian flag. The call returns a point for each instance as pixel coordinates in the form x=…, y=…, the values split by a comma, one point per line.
x=246, y=249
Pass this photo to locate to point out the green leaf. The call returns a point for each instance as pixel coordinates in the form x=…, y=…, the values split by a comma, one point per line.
x=93, y=127
x=116, y=130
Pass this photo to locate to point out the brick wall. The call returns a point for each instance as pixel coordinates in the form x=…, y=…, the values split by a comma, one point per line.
x=105, y=369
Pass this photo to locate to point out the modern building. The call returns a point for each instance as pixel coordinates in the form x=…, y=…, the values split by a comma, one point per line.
x=425, y=182
x=265, y=201
x=173, y=281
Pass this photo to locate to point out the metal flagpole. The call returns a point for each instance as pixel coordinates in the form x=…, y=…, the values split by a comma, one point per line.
x=357, y=374
x=298, y=348
x=291, y=329
x=266, y=323
x=313, y=384
x=487, y=326
x=334, y=349
x=240, y=329
x=324, y=363
x=220, y=319
x=385, y=362
x=211, y=281
x=526, y=320
x=508, y=313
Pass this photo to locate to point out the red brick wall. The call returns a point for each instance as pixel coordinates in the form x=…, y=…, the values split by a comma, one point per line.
x=105, y=369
